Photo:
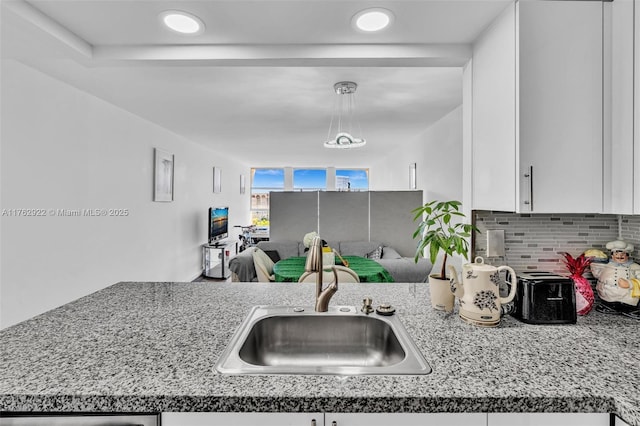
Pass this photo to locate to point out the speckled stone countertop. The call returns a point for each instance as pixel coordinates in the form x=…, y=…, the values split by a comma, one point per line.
x=152, y=347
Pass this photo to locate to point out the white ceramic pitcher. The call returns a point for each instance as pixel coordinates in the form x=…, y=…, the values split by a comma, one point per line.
x=479, y=293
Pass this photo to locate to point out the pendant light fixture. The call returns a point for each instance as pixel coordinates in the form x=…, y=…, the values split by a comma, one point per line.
x=344, y=110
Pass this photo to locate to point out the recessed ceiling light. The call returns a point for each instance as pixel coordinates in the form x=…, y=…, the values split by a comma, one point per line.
x=182, y=22
x=371, y=20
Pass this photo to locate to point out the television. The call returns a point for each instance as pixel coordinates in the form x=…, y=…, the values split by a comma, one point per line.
x=218, y=224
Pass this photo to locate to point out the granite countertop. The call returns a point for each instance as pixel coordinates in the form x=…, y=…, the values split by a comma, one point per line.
x=152, y=347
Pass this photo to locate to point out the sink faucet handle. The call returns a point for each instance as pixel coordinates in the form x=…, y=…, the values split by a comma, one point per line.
x=366, y=305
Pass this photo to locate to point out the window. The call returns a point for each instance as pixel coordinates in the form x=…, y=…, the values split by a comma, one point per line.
x=352, y=179
x=262, y=182
x=310, y=180
x=265, y=180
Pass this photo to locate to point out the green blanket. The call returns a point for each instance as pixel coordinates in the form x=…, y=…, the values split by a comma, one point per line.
x=290, y=269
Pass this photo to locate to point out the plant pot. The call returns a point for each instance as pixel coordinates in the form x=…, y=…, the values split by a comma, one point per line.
x=442, y=299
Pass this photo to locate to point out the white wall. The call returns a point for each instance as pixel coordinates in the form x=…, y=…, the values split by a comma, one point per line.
x=439, y=159
x=437, y=153
x=392, y=174
x=65, y=149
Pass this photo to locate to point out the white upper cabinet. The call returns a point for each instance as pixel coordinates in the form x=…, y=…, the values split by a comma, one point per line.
x=493, y=170
x=622, y=79
x=618, y=167
x=537, y=135
x=560, y=106
x=636, y=118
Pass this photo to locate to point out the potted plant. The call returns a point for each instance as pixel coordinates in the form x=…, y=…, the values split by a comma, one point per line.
x=437, y=231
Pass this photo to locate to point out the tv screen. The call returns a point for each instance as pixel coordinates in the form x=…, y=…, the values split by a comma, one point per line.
x=218, y=223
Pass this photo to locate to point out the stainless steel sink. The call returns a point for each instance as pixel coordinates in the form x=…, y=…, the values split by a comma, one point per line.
x=287, y=340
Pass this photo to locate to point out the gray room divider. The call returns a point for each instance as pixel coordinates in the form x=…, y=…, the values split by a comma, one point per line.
x=292, y=215
x=344, y=216
x=383, y=216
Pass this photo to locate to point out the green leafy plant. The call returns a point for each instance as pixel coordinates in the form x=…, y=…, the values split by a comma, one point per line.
x=437, y=231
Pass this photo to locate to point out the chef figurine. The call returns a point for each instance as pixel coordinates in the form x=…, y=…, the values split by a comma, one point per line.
x=618, y=280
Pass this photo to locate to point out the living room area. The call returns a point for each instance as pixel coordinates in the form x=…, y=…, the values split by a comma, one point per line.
x=81, y=135
x=369, y=232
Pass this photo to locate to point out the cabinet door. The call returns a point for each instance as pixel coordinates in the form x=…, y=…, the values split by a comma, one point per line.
x=618, y=173
x=636, y=119
x=242, y=419
x=493, y=155
x=559, y=113
x=406, y=419
x=547, y=419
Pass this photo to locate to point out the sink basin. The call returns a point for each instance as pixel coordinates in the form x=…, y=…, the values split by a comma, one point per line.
x=287, y=340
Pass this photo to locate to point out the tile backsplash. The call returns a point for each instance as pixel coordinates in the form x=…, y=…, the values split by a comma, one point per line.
x=536, y=241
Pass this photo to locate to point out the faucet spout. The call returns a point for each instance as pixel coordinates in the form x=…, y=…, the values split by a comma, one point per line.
x=314, y=264
x=322, y=299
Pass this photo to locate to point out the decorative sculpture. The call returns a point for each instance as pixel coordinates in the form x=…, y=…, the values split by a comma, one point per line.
x=584, y=293
x=619, y=279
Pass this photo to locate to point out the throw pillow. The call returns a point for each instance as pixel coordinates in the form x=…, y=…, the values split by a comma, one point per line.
x=375, y=254
x=273, y=255
x=390, y=253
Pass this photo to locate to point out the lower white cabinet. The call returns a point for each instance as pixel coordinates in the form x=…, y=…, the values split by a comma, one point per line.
x=405, y=419
x=386, y=419
x=242, y=419
x=324, y=419
x=321, y=419
x=548, y=419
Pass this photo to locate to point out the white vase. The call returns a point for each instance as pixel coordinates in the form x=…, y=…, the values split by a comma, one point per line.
x=442, y=298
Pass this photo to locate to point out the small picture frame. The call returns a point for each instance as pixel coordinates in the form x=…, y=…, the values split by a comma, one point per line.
x=242, y=187
x=217, y=180
x=163, y=176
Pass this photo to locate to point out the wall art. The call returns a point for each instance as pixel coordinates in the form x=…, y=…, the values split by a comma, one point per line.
x=217, y=179
x=163, y=176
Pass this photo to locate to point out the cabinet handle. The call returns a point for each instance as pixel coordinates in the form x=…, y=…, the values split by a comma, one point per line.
x=529, y=175
x=313, y=422
x=334, y=423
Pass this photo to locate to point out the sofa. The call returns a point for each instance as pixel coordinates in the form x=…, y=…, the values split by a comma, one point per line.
x=402, y=269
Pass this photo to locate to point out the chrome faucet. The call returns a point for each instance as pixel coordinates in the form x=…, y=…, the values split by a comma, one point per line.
x=314, y=264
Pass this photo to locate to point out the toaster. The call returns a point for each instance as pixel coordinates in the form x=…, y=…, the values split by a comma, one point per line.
x=545, y=298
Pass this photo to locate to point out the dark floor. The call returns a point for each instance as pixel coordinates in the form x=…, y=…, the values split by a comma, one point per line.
x=202, y=278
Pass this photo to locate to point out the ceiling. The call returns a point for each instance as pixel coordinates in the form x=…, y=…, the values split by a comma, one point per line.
x=259, y=80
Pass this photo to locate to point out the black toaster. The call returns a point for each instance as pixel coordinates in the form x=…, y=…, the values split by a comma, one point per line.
x=545, y=298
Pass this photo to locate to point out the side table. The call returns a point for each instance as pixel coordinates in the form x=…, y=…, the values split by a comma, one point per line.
x=215, y=259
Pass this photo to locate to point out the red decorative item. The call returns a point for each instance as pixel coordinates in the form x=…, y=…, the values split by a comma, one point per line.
x=584, y=292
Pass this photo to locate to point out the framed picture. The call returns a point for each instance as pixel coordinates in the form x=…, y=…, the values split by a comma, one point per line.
x=412, y=176
x=217, y=179
x=163, y=176
x=242, y=184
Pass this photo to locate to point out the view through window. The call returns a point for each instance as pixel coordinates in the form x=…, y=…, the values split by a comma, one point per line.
x=309, y=179
x=352, y=180
x=265, y=180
